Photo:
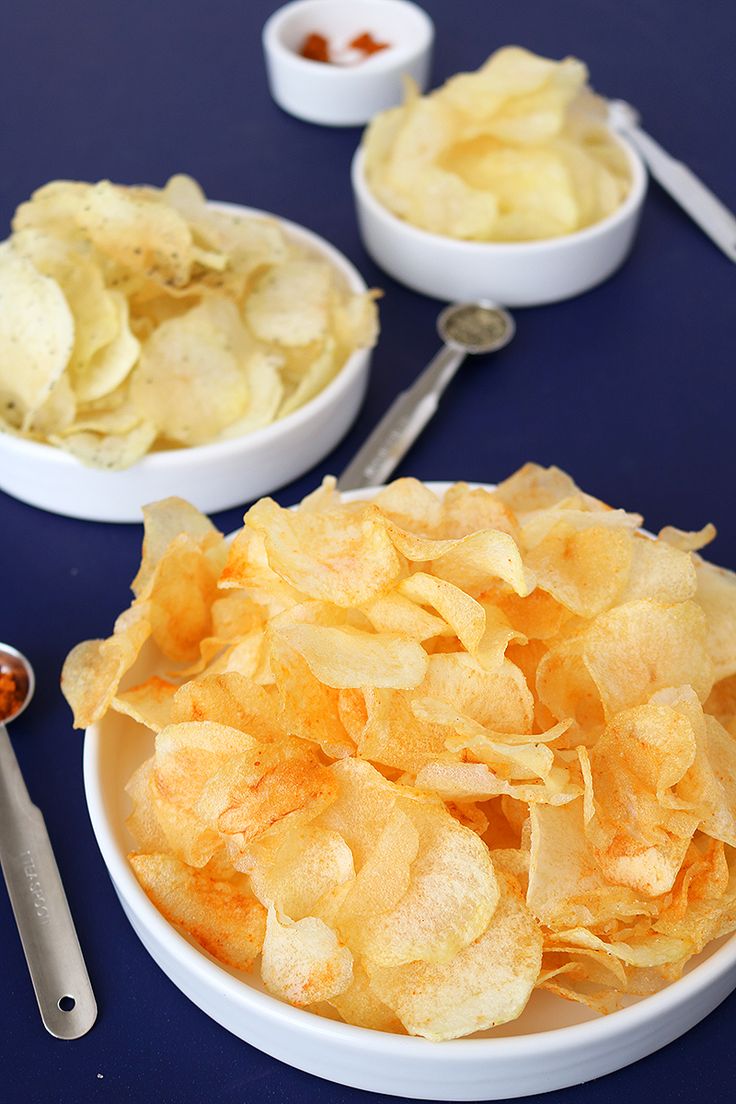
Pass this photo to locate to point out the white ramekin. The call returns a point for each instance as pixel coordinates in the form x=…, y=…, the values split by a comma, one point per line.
x=516, y=274
x=337, y=95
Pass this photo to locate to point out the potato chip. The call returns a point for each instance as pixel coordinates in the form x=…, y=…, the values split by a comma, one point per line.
x=36, y=338
x=142, y=821
x=461, y=612
x=224, y=920
x=93, y=669
x=345, y=560
x=583, y=570
x=487, y=983
x=189, y=382
x=303, y=961
x=270, y=308
x=294, y=872
x=451, y=895
x=346, y=657
x=358, y=1004
x=150, y=703
x=256, y=790
x=716, y=596
x=640, y=831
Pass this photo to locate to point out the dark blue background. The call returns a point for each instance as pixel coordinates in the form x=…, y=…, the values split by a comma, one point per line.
x=631, y=388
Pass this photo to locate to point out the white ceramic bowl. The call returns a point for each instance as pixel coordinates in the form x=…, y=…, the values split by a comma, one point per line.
x=346, y=95
x=215, y=476
x=515, y=274
x=552, y=1045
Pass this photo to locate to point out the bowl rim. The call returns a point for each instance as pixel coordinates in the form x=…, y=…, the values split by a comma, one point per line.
x=247, y=442
x=378, y=64
x=365, y=197
x=197, y=962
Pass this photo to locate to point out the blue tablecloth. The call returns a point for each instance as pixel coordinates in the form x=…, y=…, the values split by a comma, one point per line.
x=630, y=388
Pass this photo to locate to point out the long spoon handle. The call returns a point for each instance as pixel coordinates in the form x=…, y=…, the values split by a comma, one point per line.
x=701, y=204
x=46, y=928
x=402, y=423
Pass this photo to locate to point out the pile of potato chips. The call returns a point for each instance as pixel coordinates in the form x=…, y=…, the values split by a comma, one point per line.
x=426, y=753
x=135, y=318
x=517, y=151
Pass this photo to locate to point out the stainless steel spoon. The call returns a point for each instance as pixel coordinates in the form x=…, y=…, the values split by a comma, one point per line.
x=465, y=328
x=703, y=207
x=46, y=928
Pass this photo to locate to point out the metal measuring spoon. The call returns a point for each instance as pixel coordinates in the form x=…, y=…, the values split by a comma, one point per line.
x=465, y=328
x=46, y=928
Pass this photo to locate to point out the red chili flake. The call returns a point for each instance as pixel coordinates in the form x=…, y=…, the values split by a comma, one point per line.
x=315, y=47
x=367, y=44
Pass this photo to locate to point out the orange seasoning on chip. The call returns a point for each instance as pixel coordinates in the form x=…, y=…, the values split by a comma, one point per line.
x=367, y=44
x=315, y=47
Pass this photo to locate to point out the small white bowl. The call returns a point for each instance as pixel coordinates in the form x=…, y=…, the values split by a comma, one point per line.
x=214, y=476
x=337, y=95
x=515, y=274
x=553, y=1044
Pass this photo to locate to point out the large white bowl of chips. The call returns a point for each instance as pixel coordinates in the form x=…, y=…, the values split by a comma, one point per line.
x=516, y=274
x=213, y=476
x=552, y=1045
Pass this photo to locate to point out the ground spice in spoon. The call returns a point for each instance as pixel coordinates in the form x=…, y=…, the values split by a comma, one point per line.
x=13, y=689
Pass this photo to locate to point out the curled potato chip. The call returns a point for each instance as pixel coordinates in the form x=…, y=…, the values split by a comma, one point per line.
x=36, y=338
x=256, y=790
x=451, y=896
x=566, y=887
x=487, y=983
x=93, y=669
x=270, y=308
x=464, y=615
x=345, y=559
x=142, y=821
x=346, y=657
x=149, y=703
x=716, y=596
x=224, y=920
x=640, y=830
x=293, y=872
x=303, y=961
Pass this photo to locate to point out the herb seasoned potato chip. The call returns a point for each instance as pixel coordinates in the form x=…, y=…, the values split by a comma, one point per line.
x=135, y=319
x=428, y=753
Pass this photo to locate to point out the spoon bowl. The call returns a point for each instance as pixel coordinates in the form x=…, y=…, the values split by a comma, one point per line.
x=466, y=329
x=15, y=665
